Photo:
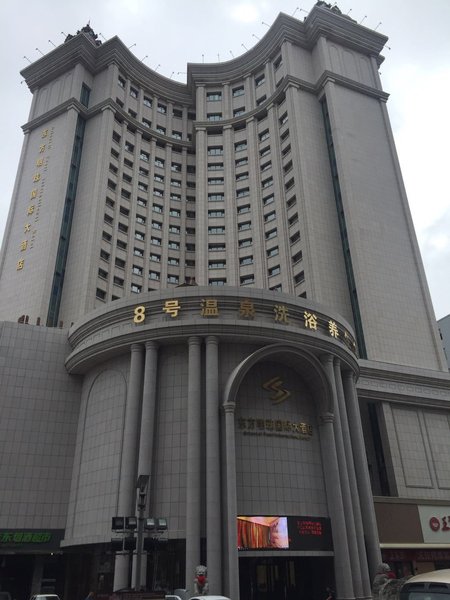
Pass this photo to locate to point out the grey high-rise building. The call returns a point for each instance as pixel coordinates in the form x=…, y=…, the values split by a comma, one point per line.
x=215, y=315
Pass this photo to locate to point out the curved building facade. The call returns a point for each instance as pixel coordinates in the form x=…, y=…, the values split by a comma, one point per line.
x=219, y=295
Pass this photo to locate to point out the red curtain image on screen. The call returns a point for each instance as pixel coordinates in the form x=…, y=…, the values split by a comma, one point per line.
x=262, y=532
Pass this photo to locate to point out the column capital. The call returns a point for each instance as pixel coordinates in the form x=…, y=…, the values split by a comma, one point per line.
x=229, y=407
x=212, y=339
x=136, y=348
x=151, y=345
x=326, y=418
x=194, y=340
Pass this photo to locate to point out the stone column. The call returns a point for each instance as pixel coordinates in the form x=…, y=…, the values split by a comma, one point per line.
x=194, y=441
x=352, y=507
x=126, y=505
x=213, y=489
x=362, y=473
x=231, y=577
x=342, y=566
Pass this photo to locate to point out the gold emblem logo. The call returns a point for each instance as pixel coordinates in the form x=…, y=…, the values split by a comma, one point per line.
x=275, y=385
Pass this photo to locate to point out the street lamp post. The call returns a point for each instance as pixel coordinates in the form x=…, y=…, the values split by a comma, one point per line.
x=141, y=486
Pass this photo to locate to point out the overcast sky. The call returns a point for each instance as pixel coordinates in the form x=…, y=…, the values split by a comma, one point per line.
x=167, y=34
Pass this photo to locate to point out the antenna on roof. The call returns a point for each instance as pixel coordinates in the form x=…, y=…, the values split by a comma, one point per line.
x=244, y=47
x=365, y=17
x=102, y=36
x=62, y=33
x=129, y=47
x=50, y=42
x=380, y=23
x=203, y=58
x=255, y=36
x=40, y=51
x=173, y=73
x=298, y=8
x=263, y=23
x=218, y=57
x=142, y=59
x=349, y=12
x=27, y=60
x=231, y=54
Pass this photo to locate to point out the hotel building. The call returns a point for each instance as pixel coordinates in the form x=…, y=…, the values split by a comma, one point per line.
x=215, y=287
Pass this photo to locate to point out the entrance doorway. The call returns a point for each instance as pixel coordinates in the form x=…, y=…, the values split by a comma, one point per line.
x=285, y=578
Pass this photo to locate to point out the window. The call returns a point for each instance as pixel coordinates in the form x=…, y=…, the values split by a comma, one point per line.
x=155, y=241
x=122, y=227
x=241, y=162
x=111, y=185
x=121, y=82
x=154, y=275
x=239, y=146
x=266, y=166
x=261, y=100
x=104, y=255
x=215, y=197
x=175, y=182
x=172, y=279
x=106, y=236
x=137, y=270
x=216, y=213
x=144, y=156
x=277, y=63
x=215, y=150
x=159, y=162
x=276, y=288
x=158, y=193
x=135, y=288
x=103, y=274
x=267, y=182
x=242, y=192
x=100, y=294
x=216, y=247
x=173, y=261
x=174, y=229
x=214, y=116
x=190, y=230
x=215, y=180
x=286, y=150
x=108, y=219
x=140, y=219
x=237, y=112
x=132, y=113
x=116, y=137
x=289, y=184
x=147, y=101
x=264, y=135
x=133, y=92
x=260, y=80
x=190, y=247
x=127, y=178
x=177, y=113
x=283, y=119
x=120, y=103
x=156, y=225
x=270, y=216
x=215, y=166
x=141, y=201
x=174, y=196
x=246, y=260
x=161, y=108
x=124, y=211
x=128, y=163
x=175, y=167
x=268, y=200
x=174, y=245
x=238, y=91
x=142, y=186
x=113, y=168
x=271, y=234
x=274, y=270
x=284, y=135
x=272, y=251
x=139, y=235
x=300, y=278
x=247, y=279
x=118, y=281
x=119, y=262
x=174, y=212
x=295, y=238
x=161, y=130
x=109, y=202
x=244, y=226
x=158, y=178
x=129, y=147
x=138, y=252
x=217, y=264
x=213, y=96
x=297, y=257
x=292, y=220
x=114, y=153
x=146, y=123
x=143, y=172
x=241, y=210
x=217, y=282
x=216, y=230
x=264, y=151
x=242, y=176
x=121, y=244
x=245, y=243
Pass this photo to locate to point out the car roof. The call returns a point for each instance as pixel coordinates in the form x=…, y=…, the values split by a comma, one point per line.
x=442, y=575
x=209, y=598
